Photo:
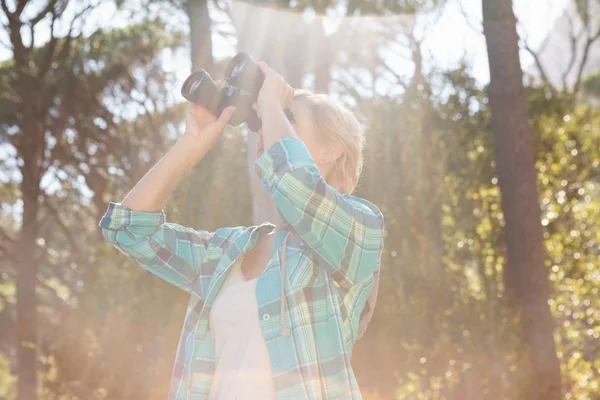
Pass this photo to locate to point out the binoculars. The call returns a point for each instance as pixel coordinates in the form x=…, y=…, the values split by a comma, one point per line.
x=243, y=80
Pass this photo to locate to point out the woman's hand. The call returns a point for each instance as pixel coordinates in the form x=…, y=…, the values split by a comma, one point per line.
x=203, y=126
x=275, y=92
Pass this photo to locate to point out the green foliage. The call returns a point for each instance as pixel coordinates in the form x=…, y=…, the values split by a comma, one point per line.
x=444, y=330
x=107, y=115
x=217, y=192
x=7, y=380
x=442, y=325
x=591, y=84
x=441, y=330
x=568, y=178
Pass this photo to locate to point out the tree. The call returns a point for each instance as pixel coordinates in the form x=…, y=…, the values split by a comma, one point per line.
x=200, y=34
x=525, y=275
x=29, y=77
x=282, y=35
x=64, y=134
x=573, y=40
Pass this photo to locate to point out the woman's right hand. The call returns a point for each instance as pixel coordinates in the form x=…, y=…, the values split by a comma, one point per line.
x=203, y=126
x=275, y=91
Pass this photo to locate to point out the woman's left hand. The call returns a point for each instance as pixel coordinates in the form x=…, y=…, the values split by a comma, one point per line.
x=275, y=92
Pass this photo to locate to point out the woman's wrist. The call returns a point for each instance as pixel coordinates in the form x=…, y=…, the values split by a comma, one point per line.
x=153, y=190
x=276, y=125
x=191, y=147
x=269, y=107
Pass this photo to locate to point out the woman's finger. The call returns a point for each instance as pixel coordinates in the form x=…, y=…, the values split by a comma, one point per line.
x=290, y=96
x=265, y=68
x=193, y=108
x=224, y=118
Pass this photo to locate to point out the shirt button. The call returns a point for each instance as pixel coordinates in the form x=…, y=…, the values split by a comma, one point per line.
x=266, y=317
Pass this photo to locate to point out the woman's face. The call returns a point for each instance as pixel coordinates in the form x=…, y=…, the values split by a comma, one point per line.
x=303, y=126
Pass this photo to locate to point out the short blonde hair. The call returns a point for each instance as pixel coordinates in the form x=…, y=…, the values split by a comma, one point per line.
x=339, y=127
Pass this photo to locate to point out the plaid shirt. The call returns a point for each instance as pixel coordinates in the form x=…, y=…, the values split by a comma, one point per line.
x=332, y=243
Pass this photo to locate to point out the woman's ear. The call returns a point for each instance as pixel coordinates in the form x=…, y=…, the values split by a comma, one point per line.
x=336, y=151
x=331, y=155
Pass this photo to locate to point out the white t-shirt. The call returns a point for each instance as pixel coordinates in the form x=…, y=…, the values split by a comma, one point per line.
x=243, y=365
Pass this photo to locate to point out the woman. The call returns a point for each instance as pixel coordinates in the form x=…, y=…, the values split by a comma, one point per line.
x=274, y=309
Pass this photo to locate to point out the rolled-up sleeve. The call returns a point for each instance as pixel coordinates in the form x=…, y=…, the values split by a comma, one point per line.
x=344, y=231
x=170, y=251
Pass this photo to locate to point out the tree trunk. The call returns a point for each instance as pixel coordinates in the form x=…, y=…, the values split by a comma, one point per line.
x=25, y=251
x=525, y=275
x=27, y=305
x=200, y=35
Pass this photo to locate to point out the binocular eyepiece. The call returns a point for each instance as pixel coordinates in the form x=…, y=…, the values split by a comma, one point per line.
x=243, y=79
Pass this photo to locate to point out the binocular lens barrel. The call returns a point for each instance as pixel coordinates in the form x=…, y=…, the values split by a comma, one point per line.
x=244, y=80
x=243, y=72
x=199, y=88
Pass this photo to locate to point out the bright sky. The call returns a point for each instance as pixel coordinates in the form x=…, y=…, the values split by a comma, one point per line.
x=455, y=32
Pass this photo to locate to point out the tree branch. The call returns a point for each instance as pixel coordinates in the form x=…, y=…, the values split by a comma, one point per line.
x=479, y=29
x=399, y=79
x=18, y=11
x=50, y=48
x=49, y=7
x=66, y=45
x=573, y=40
x=5, y=9
x=536, y=59
x=68, y=234
x=20, y=52
x=539, y=65
x=20, y=7
x=586, y=52
x=351, y=89
x=81, y=14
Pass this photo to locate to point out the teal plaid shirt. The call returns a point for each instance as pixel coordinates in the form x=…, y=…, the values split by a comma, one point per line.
x=333, y=245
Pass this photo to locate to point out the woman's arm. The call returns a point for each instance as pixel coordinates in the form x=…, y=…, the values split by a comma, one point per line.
x=275, y=124
x=153, y=190
x=345, y=231
x=138, y=227
x=275, y=95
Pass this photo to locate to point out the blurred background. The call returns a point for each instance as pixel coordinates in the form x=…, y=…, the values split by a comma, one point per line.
x=483, y=157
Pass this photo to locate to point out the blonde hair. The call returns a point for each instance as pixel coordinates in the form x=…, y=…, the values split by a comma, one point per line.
x=339, y=127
